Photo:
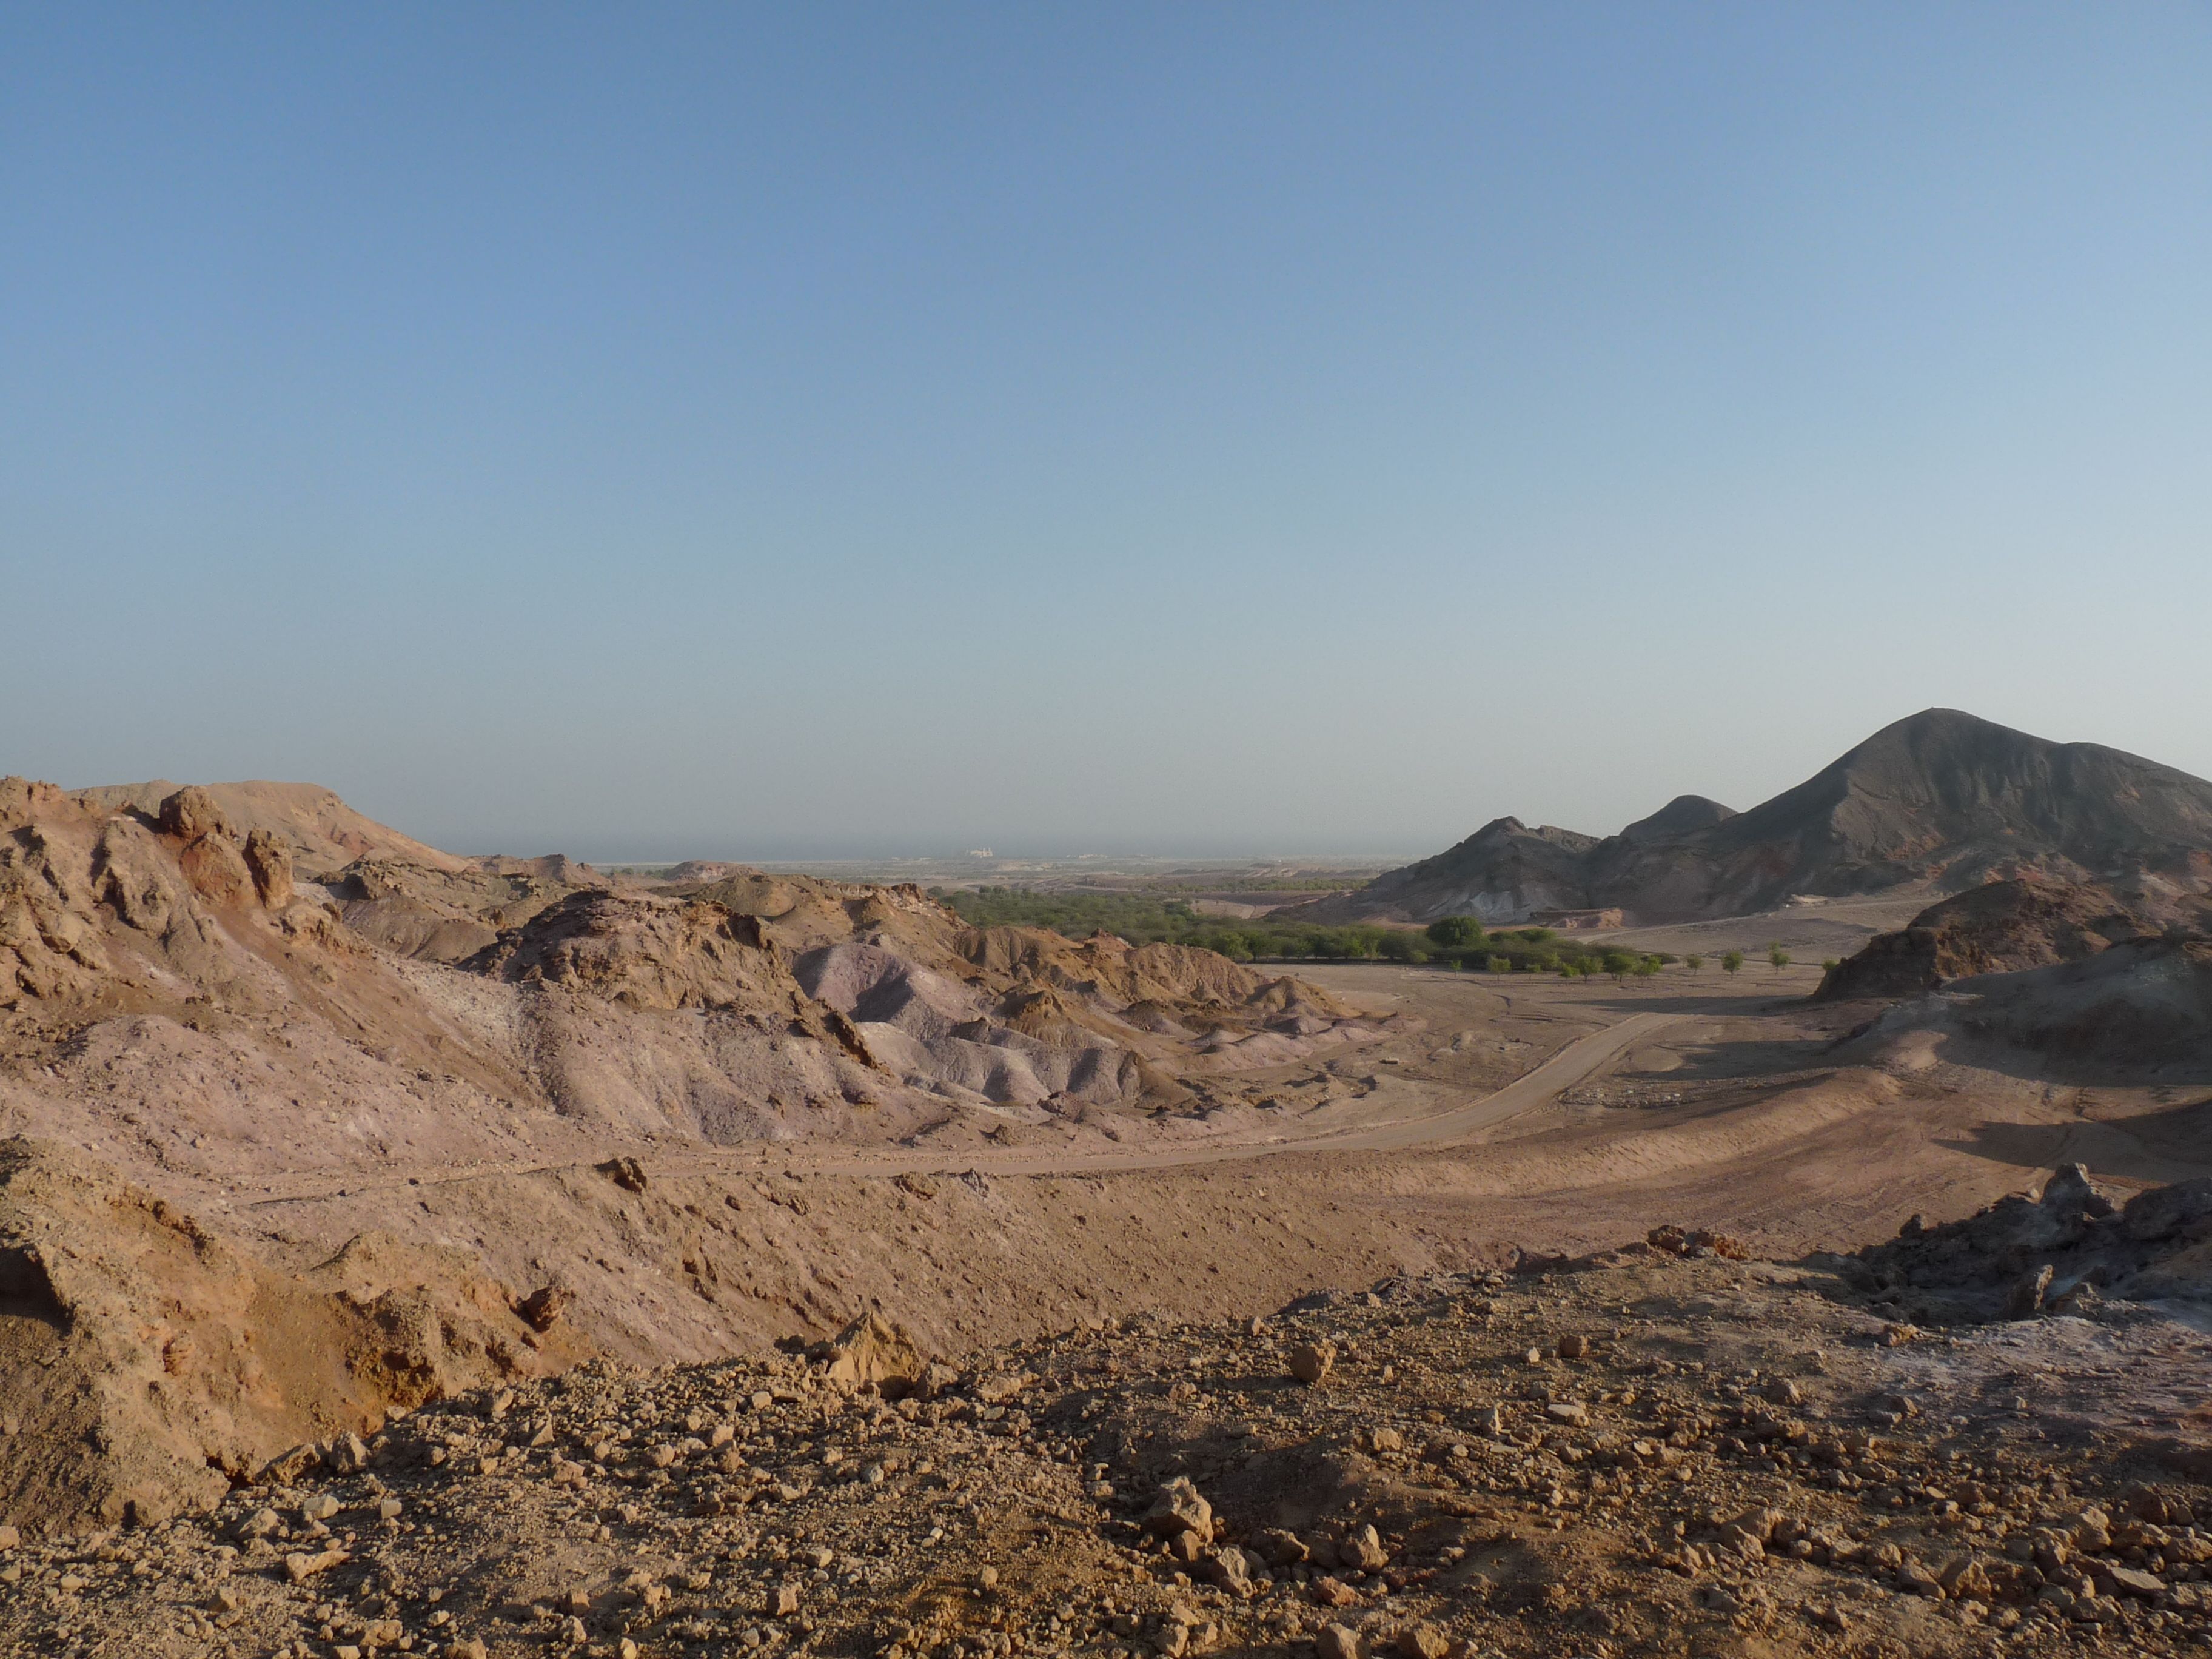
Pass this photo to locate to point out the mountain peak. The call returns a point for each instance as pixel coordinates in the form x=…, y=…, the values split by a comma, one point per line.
x=1935, y=801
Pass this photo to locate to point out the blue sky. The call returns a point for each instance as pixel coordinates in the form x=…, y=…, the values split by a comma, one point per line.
x=661, y=430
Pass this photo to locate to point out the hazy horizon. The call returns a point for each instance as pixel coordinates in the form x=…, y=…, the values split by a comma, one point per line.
x=712, y=432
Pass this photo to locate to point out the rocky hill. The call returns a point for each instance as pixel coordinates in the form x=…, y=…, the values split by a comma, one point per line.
x=1941, y=800
x=196, y=1031
x=2010, y=927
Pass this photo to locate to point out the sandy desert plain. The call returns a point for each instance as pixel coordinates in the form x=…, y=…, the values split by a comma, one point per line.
x=402, y=1251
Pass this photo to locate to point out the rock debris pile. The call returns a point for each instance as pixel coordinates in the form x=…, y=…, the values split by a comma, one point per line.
x=1658, y=1450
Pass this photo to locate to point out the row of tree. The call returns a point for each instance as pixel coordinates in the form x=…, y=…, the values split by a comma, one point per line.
x=1458, y=942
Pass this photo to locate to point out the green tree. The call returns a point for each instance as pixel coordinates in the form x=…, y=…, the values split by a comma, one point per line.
x=1619, y=964
x=1455, y=932
x=1693, y=963
x=1732, y=962
x=1501, y=964
x=1778, y=956
x=1646, y=967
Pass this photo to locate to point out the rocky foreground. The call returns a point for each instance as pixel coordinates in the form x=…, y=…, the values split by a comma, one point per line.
x=1663, y=1450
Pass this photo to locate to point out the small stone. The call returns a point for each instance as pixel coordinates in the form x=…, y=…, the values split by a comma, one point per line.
x=545, y=1307
x=1227, y=1568
x=259, y=1524
x=1179, y=1509
x=1312, y=1361
x=1422, y=1641
x=2135, y=1582
x=1337, y=1642
x=388, y=1509
x=1781, y=1391
x=1283, y=1549
x=301, y=1567
x=785, y=1602
x=1572, y=1413
x=1573, y=1345
x=1362, y=1547
x=2025, y=1299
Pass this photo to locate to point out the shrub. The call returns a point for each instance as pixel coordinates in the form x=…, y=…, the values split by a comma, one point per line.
x=1455, y=932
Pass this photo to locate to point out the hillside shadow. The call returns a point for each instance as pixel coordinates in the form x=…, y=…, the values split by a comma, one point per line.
x=2144, y=1147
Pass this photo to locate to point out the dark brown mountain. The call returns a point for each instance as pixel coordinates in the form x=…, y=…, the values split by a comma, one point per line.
x=1942, y=800
x=1999, y=928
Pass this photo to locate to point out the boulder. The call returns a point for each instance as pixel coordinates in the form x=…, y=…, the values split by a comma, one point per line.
x=269, y=861
x=217, y=871
x=2070, y=1193
x=2160, y=1212
x=190, y=813
x=871, y=1349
